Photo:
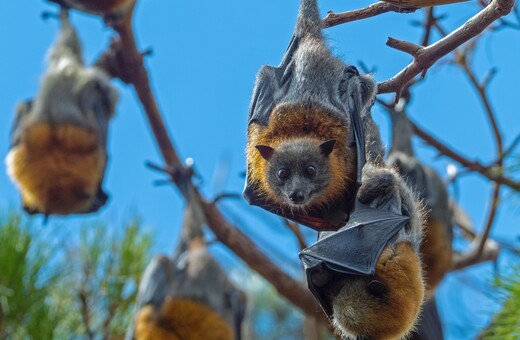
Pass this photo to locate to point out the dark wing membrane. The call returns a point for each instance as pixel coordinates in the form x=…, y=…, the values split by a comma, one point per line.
x=353, y=250
x=271, y=84
x=22, y=113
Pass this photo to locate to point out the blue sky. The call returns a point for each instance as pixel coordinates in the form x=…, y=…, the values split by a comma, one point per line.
x=206, y=55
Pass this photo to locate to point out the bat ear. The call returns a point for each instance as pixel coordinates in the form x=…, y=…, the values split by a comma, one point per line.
x=327, y=147
x=265, y=151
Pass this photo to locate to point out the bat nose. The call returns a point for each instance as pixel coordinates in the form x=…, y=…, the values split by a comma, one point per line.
x=297, y=196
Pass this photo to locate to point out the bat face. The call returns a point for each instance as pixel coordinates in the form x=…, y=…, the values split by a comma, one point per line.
x=58, y=169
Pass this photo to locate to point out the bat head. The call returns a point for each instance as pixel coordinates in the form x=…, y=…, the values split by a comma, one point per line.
x=298, y=171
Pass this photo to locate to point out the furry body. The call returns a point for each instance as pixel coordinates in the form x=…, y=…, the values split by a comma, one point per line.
x=436, y=248
x=188, y=296
x=181, y=319
x=58, y=142
x=58, y=169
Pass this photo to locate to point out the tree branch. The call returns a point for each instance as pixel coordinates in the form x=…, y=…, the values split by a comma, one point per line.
x=475, y=166
x=334, y=19
x=124, y=61
x=434, y=52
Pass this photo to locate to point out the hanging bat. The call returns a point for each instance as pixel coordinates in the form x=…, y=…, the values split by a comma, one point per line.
x=188, y=296
x=301, y=150
x=367, y=276
x=58, y=151
x=110, y=10
x=436, y=247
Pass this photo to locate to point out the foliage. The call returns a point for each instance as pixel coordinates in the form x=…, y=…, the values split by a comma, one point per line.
x=26, y=282
x=86, y=289
x=506, y=323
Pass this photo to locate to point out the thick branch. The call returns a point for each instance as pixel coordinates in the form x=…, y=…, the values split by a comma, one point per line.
x=243, y=247
x=489, y=253
x=124, y=61
x=434, y=52
x=333, y=19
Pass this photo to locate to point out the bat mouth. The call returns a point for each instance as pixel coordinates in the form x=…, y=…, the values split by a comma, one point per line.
x=300, y=203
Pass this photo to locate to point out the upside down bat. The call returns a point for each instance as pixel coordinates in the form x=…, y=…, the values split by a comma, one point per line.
x=310, y=133
x=436, y=246
x=188, y=296
x=58, y=151
x=301, y=148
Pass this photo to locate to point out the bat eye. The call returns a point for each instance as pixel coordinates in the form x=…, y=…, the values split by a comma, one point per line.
x=377, y=288
x=283, y=174
x=310, y=171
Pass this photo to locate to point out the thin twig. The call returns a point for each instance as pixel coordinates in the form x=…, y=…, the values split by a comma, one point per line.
x=481, y=250
x=475, y=166
x=334, y=19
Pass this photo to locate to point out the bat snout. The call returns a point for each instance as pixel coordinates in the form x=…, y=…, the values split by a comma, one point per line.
x=298, y=197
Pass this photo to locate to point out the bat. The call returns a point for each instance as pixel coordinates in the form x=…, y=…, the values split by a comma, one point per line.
x=188, y=296
x=58, y=156
x=307, y=117
x=436, y=247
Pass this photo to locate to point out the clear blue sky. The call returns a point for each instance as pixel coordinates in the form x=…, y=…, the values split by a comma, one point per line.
x=206, y=54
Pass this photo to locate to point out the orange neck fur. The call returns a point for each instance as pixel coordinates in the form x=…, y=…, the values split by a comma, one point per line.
x=181, y=319
x=288, y=123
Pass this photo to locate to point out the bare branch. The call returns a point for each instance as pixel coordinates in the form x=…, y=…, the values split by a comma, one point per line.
x=334, y=19
x=404, y=46
x=434, y=52
x=464, y=260
x=474, y=166
x=481, y=89
x=481, y=249
x=124, y=60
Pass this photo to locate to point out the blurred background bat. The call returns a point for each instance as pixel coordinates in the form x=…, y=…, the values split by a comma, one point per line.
x=436, y=246
x=188, y=296
x=58, y=151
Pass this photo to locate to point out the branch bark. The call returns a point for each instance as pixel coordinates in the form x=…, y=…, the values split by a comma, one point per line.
x=471, y=165
x=474, y=26
x=334, y=19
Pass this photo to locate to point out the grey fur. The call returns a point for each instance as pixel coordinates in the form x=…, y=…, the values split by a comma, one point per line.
x=426, y=182
x=69, y=91
x=191, y=274
x=310, y=75
x=296, y=157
